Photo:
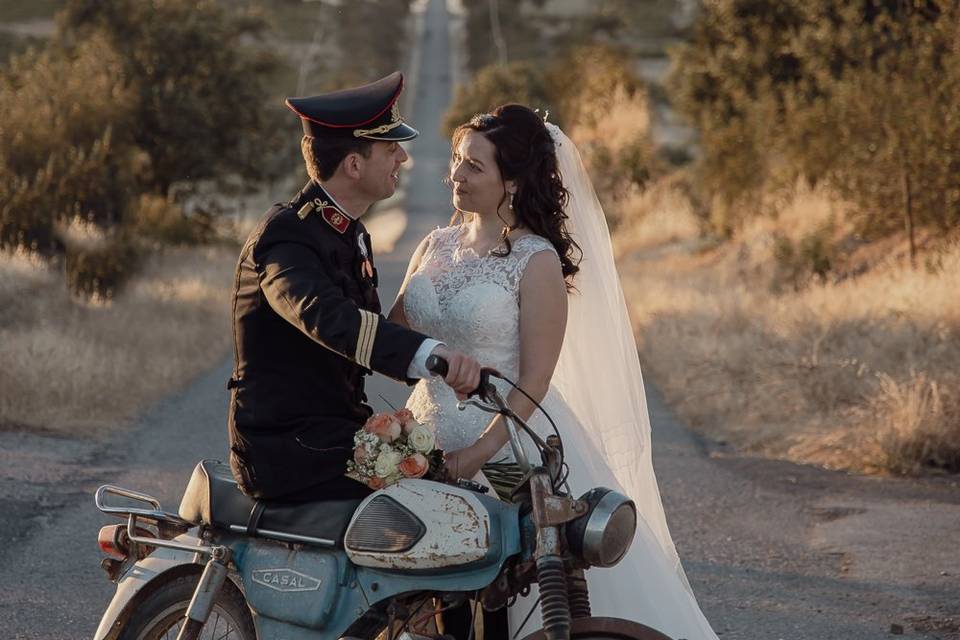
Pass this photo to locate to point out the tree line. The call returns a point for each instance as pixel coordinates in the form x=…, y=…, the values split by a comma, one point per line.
x=863, y=97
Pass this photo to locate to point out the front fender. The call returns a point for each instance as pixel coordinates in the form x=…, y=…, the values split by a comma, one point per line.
x=140, y=579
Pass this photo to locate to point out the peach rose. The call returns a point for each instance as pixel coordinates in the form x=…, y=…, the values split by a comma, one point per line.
x=414, y=466
x=375, y=483
x=384, y=426
x=405, y=418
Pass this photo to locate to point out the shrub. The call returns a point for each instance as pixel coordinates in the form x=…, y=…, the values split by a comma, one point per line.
x=727, y=80
x=899, y=126
x=57, y=98
x=810, y=257
x=98, y=272
x=199, y=80
x=161, y=219
x=917, y=425
x=63, y=150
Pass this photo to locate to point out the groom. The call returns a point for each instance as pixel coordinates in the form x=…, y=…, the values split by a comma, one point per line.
x=306, y=316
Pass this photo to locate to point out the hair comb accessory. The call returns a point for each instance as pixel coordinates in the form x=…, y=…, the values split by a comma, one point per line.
x=546, y=114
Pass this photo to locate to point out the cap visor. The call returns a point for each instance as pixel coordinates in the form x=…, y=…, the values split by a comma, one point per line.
x=397, y=134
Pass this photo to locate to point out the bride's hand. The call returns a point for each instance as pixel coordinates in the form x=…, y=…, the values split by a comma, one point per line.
x=464, y=463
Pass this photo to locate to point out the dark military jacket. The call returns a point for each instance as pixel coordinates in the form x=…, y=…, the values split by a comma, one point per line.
x=307, y=328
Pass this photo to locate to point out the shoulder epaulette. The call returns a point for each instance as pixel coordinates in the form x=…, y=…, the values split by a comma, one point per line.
x=329, y=212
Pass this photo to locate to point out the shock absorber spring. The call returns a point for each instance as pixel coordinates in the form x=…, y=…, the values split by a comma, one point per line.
x=579, y=594
x=554, y=606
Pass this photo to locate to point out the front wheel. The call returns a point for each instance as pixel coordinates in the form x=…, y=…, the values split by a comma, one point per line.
x=160, y=615
x=606, y=629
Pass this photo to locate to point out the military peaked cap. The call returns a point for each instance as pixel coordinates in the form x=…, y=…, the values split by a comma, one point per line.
x=370, y=111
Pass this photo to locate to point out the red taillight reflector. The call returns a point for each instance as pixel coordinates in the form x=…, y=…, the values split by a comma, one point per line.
x=109, y=541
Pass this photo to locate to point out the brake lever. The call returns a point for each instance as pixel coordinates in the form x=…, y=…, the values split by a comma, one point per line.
x=473, y=402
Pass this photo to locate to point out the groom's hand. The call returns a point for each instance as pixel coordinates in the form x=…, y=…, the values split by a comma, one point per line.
x=463, y=372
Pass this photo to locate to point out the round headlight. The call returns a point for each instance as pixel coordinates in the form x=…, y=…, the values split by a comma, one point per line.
x=603, y=535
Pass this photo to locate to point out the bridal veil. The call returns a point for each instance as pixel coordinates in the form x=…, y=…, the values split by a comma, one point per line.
x=598, y=372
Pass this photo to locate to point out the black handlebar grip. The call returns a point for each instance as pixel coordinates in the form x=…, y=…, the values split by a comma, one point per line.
x=437, y=366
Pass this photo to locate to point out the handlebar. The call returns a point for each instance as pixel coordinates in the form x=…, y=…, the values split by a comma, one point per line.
x=438, y=366
x=487, y=392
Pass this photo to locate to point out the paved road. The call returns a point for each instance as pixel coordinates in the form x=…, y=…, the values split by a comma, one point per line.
x=773, y=550
x=427, y=201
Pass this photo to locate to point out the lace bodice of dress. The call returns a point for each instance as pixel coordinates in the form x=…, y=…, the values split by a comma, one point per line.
x=472, y=303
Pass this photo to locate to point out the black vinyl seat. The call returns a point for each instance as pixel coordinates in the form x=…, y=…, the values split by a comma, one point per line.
x=213, y=498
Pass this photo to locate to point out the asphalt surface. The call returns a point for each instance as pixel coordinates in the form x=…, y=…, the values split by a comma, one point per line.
x=773, y=550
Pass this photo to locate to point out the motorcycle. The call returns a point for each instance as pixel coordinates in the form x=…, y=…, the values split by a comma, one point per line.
x=226, y=566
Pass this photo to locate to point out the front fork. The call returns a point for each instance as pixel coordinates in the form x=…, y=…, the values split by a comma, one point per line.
x=211, y=581
x=549, y=512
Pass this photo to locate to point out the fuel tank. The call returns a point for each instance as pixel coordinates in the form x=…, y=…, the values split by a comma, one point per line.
x=424, y=525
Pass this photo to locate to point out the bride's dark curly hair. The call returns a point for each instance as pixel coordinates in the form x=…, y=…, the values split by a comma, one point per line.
x=525, y=153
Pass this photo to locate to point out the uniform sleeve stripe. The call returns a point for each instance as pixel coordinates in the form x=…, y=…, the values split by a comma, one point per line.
x=361, y=334
x=366, y=337
x=370, y=337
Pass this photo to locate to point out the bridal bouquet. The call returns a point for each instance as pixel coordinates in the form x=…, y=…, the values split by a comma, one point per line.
x=392, y=446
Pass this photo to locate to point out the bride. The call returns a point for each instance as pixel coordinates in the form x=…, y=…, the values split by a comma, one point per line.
x=526, y=284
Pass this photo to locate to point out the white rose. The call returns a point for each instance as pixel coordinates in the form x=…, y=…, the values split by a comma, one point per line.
x=388, y=463
x=421, y=438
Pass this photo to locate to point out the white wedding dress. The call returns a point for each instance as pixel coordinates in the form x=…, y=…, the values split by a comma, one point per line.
x=471, y=303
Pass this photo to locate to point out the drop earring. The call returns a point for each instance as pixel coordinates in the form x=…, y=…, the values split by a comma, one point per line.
x=510, y=205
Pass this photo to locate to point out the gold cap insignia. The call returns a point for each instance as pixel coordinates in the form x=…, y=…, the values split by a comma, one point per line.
x=395, y=121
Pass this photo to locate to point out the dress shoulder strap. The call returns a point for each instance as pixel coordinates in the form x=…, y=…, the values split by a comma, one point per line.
x=525, y=248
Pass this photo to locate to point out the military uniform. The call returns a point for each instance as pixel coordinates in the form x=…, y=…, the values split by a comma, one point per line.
x=307, y=328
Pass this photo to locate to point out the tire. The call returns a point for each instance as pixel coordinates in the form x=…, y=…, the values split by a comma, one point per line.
x=606, y=629
x=160, y=615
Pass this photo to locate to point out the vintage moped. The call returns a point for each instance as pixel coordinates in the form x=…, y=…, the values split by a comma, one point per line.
x=230, y=567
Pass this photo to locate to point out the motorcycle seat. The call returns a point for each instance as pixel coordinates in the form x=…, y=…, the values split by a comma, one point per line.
x=213, y=498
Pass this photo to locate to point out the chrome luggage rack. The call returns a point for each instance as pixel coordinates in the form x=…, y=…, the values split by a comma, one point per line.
x=169, y=525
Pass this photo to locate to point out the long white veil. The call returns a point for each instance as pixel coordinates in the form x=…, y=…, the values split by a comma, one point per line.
x=598, y=372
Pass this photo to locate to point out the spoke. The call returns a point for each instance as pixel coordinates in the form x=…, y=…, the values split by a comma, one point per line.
x=227, y=634
x=212, y=630
x=175, y=630
x=216, y=623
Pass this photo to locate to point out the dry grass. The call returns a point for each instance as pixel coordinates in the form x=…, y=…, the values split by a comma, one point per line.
x=856, y=372
x=71, y=366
